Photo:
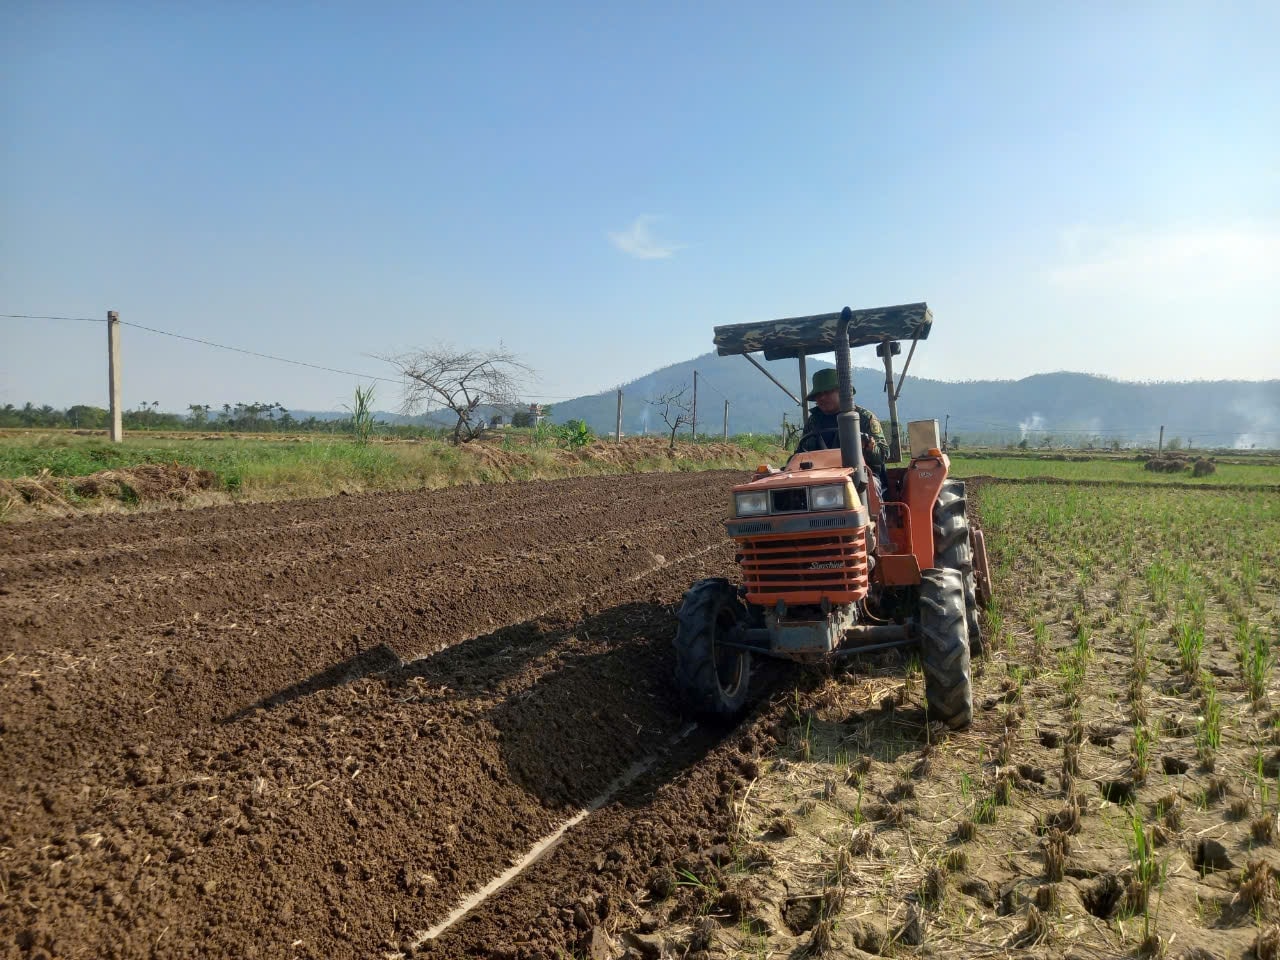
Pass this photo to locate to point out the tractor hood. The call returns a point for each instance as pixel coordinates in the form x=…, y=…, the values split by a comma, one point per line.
x=823, y=467
x=785, y=503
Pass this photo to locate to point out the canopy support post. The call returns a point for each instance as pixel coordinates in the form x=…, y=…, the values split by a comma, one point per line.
x=804, y=390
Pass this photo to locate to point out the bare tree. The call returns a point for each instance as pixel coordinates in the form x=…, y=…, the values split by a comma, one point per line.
x=674, y=410
x=461, y=381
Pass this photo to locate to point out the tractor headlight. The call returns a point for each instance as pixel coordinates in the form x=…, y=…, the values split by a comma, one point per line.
x=827, y=498
x=750, y=504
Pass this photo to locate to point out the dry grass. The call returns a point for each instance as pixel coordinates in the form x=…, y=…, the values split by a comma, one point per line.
x=49, y=474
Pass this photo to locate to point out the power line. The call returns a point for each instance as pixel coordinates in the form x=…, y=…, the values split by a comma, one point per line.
x=207, y=343
x=703, y=377
x=32, y=316
x=251, y=353
x=254, y=353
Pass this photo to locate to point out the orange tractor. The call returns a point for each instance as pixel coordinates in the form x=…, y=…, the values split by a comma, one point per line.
x=834, y=561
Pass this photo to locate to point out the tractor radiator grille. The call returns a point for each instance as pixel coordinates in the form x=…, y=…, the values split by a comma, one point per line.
x=805, y=569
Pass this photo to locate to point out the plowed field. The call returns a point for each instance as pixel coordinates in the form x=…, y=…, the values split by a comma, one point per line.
x=310, y=729
x=320, y=729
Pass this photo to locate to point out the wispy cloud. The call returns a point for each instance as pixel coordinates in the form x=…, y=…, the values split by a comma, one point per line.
x=638, y=240
x=1171, y=262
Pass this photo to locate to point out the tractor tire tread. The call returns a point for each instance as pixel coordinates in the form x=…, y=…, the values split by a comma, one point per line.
x=944, y=647
x=696, y=676
x=952, y=550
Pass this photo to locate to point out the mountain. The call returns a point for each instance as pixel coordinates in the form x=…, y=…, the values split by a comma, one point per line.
x=1053, y=408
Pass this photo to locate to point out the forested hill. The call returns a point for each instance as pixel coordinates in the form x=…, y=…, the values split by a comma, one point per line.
x=1046, y=409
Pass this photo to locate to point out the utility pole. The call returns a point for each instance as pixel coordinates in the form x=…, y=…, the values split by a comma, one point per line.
x=1160, y=449
x=617, y=436
x=726, y=419
x=695, y=405
x=946, y=432
x=113, y=375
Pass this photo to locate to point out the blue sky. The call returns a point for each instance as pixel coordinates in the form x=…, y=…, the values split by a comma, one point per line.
x=1092, y=187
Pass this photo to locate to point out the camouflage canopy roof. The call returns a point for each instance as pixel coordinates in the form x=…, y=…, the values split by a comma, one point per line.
x=794, y=336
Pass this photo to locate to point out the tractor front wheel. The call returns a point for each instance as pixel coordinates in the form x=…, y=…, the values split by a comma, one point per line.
x=712, y=678
x=944, y=647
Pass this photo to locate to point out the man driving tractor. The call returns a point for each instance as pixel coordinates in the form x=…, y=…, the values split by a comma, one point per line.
x=823, y=432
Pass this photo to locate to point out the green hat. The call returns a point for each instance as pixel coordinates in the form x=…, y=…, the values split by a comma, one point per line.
x=824, y=380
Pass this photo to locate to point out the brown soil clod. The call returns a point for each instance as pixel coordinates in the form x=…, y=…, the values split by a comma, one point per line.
x=1271, y=765
x=1217, y=788
x=870, y=935
x=802, y=913
x=1030, y=774
x=1067, y=819
x=1211, y=855
x=783, y=826
x=703, y=935
x=902, y=790
x=1103, y=735
x=1104, y=896
x=1119, y=791
x=912, y=931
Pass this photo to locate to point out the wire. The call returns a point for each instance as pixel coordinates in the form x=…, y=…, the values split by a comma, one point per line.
x=254, y=353
x=32, y=316
x=251, y=353
x=702, y=377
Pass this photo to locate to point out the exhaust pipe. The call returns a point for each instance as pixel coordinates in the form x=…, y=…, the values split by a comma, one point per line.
x=848, y=422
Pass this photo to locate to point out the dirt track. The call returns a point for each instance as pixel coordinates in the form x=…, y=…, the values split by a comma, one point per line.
x=309, y=729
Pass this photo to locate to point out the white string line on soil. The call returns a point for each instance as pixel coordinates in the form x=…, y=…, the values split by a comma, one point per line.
x=540, y=848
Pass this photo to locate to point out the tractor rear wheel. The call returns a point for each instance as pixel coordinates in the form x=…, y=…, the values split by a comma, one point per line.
x=712, y=679
x=944, y=647
x=953, y=550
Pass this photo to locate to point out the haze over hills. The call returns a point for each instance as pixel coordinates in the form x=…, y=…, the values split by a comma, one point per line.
x=1047, y=409
x=1059, y=408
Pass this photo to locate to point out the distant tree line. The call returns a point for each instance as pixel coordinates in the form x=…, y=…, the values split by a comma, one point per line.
x=254, y=417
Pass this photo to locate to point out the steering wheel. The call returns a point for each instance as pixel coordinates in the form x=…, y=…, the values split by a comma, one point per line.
x=821, y=437
x=822, y=441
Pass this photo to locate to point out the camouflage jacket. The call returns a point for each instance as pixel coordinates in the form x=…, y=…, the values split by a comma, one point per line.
x=823, y=427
